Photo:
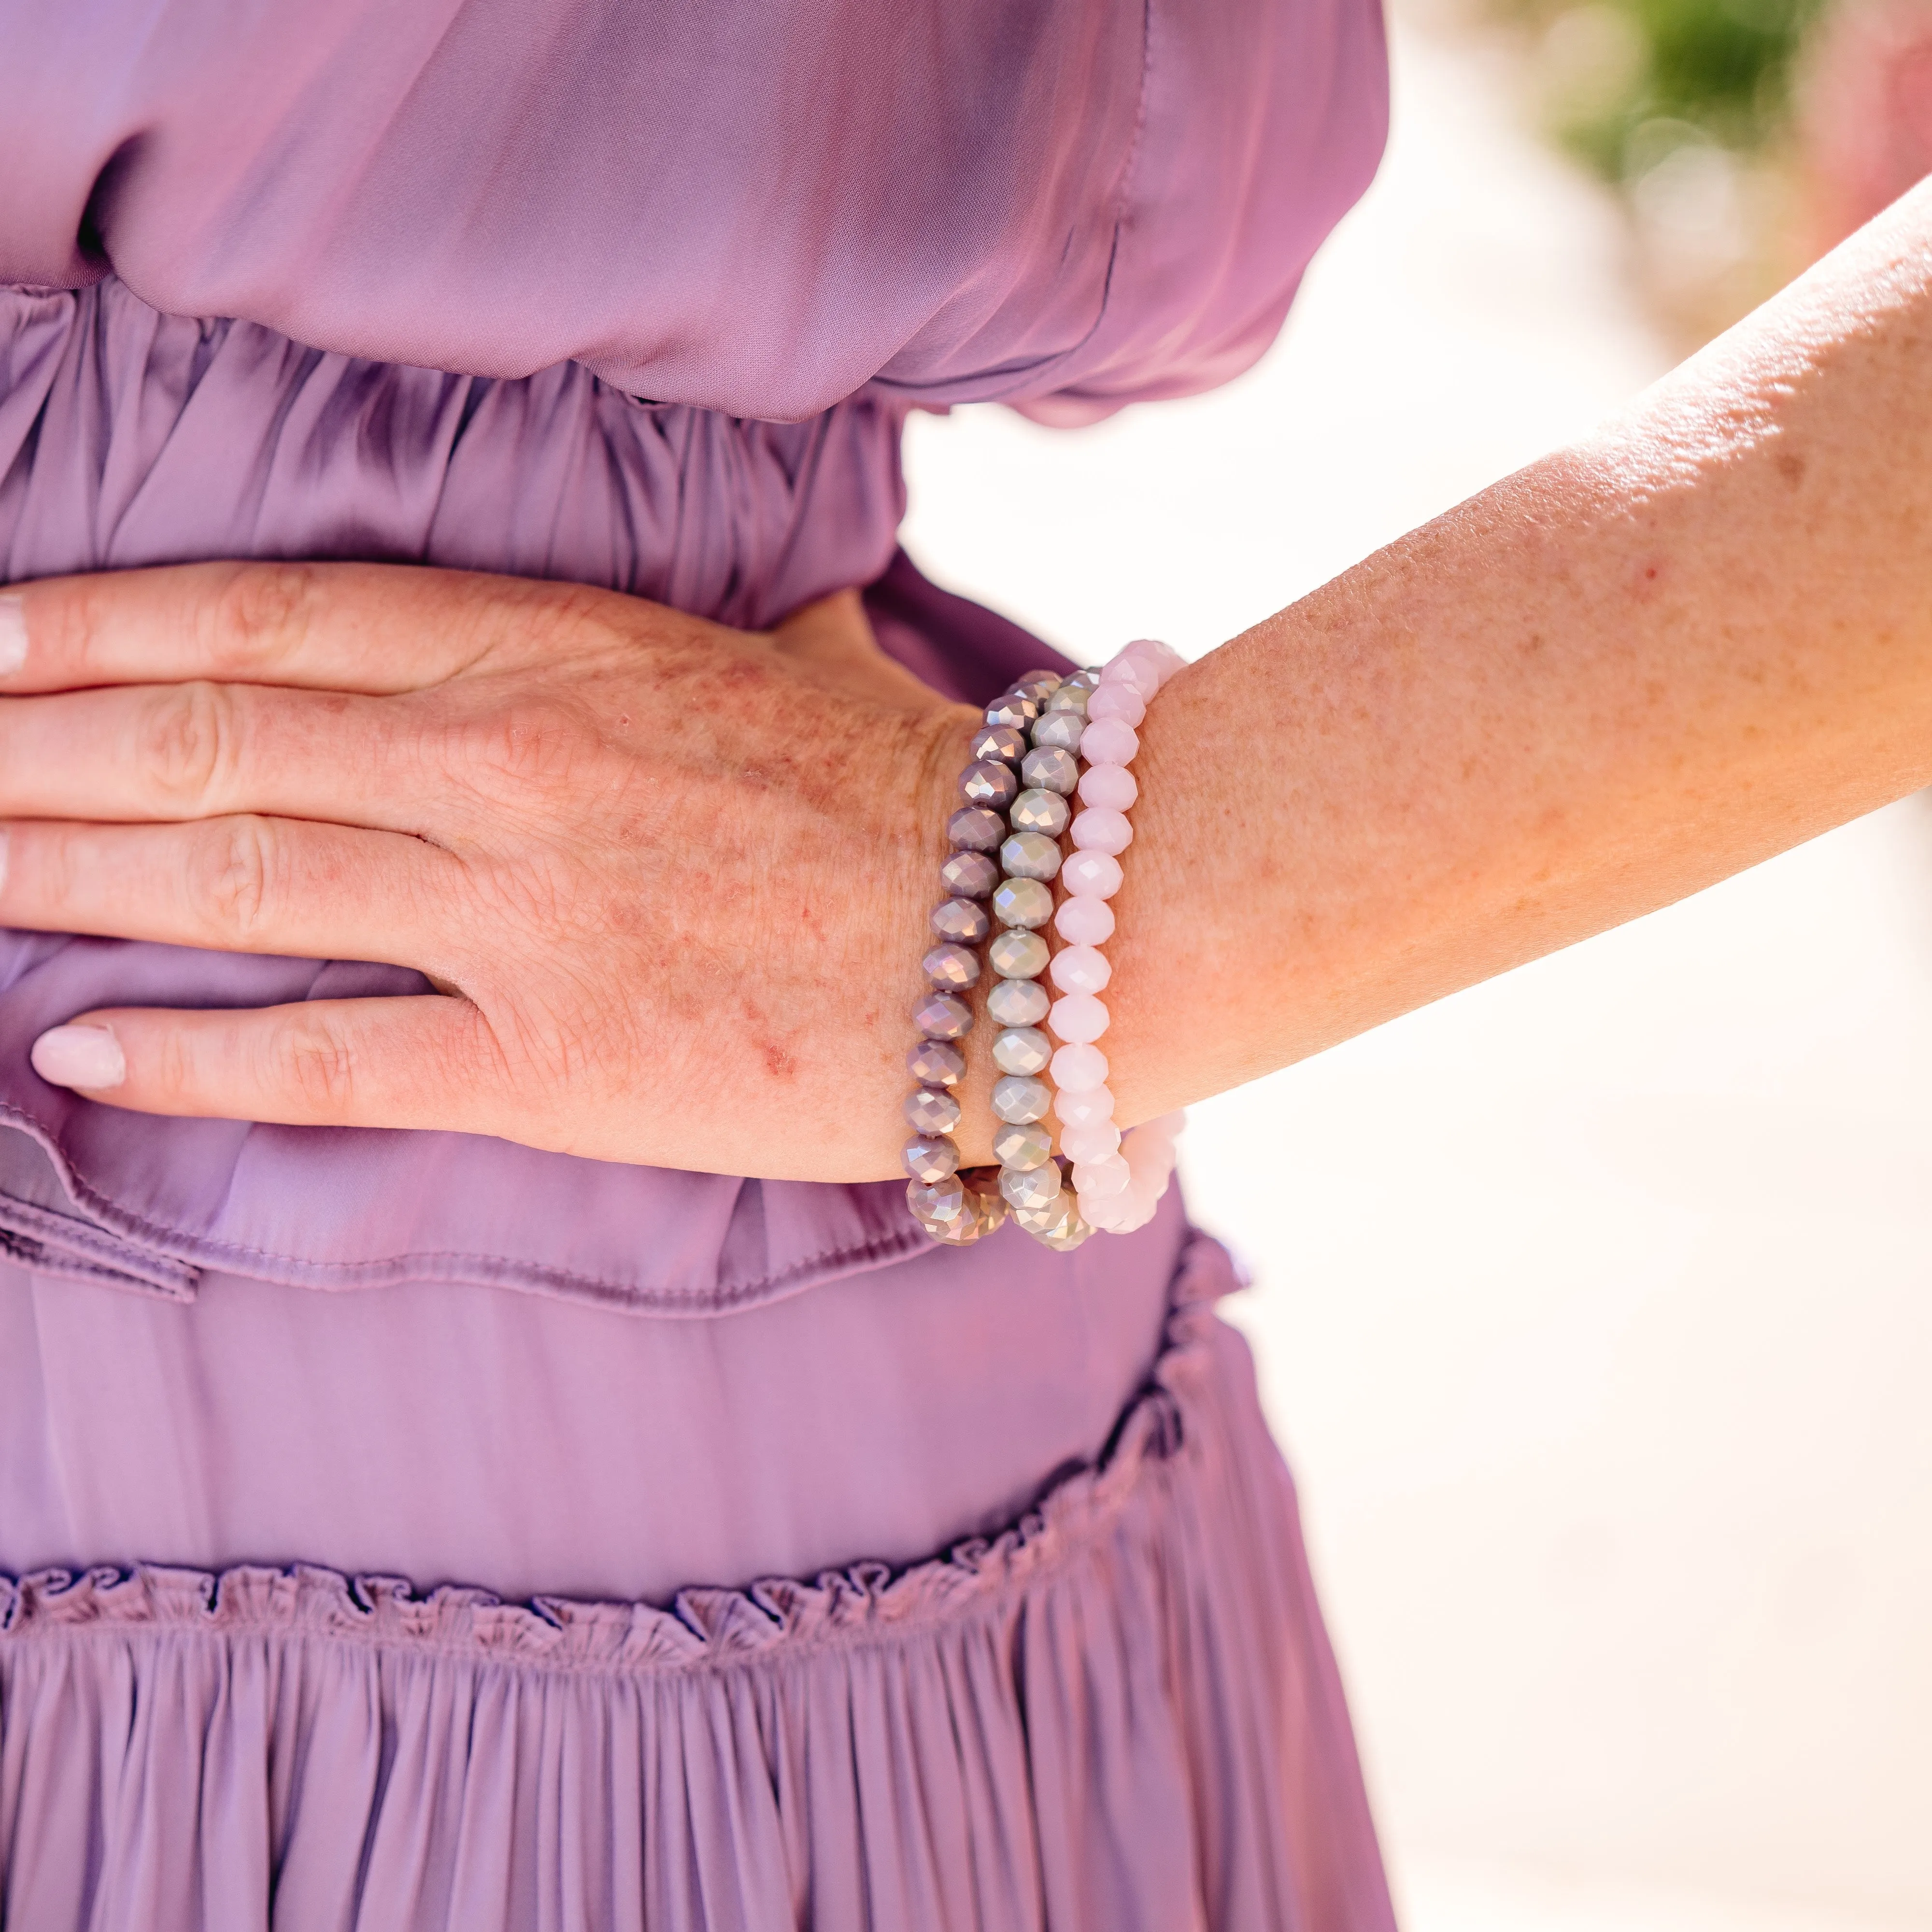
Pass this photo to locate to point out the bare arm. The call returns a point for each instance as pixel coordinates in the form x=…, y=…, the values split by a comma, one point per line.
x=1640, y=664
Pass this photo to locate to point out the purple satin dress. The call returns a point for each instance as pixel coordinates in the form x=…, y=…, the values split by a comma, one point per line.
x=403, y=1530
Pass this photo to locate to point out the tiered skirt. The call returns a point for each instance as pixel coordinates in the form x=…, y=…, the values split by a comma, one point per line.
x=1121, y=1713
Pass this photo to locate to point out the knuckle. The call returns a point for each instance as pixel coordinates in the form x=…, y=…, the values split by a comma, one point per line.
x=173, y=1071
x=311, y=1061
x=187, y=741
x=69, y=625
x=536, y=743
x=262, y=611
x=47, y=863
x=236, y=878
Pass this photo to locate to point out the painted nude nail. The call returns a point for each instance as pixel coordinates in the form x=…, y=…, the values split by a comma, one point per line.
x=13, y=635
x=88, y=1057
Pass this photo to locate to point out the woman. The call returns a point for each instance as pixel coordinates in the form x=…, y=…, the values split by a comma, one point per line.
x=644, y=825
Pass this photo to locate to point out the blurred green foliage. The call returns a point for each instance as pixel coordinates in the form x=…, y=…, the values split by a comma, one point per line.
x=1629, y=71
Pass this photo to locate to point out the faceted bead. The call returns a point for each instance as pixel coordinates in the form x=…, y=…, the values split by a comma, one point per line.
x=1084, y=922
x=1003, y=744
x=962, y=1232
x=951, y=968
x=1050, y=1217
x=1030, y=855
x=1045, y=812
x=1025, y=902
x=932, y=1111
x=982, y=1192
x=1077, y=1230
x=1018, y=954
x=1021, y=1050
x=933, y=1063
x=1030, y=1186
x=1078, y=1018
x=1060, y=1224
x=975, y=828
x=1084, y=679
x=971, y=875
x=1092, y=875
x=1099, y=830
x=935, y=1201
x=1081, y=969
x=1013, y=710
x=965, y=921
x=1151, y=1153
x=1079, y=1069
x=1022, y=1144
x=1089, y=1144
x=1051, y=767
x=1062, y=727
x=1083, y=1110
x=1039, y=685
x=1135, y=673
x=1107, y=1174
x=1017, y=1097
x=1015, y=1003
x=1112, y=788
x=1116, y=700
x=930, y=1157
x=987, y=783
x=1071, y=696
x=1116, y=1213
x=1163, y=658
x=940, y=1016
x=1126, y=1211
x=1109, y=741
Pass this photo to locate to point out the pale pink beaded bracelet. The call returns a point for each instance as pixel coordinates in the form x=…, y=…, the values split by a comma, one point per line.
x=1118, y=1181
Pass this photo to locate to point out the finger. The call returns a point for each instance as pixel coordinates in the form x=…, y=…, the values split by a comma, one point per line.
x=374, y=628
x=425, y=1060
x=196, y=750
x=244, y=884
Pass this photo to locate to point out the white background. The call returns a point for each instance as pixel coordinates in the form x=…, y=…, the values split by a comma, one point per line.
x=1593, y=1304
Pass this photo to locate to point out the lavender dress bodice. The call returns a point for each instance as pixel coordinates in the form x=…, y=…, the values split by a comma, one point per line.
x=635, y=296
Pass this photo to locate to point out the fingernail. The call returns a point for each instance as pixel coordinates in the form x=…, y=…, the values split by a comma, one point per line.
x=13, y=635
x=86, y=1056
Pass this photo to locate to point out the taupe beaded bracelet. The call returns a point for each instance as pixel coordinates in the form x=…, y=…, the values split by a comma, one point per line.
x=950, y=1205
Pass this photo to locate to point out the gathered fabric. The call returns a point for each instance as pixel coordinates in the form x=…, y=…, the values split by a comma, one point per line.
x=1120, y=1711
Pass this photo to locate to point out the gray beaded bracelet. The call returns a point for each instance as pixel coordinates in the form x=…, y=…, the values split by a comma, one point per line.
x=952, y=1206
x=1032, y=1181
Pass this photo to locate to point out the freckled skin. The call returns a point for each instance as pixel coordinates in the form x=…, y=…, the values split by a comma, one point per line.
x=1701, y=636
x=706, y=919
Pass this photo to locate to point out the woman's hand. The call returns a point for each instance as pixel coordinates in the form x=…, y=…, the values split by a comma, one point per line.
x=671, y=878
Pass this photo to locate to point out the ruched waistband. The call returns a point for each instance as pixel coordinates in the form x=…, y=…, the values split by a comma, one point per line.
x=128, y=436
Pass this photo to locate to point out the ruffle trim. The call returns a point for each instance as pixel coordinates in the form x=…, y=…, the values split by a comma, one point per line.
x=702, y=1628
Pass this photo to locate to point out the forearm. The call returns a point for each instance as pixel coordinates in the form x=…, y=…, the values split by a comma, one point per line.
x=1638, y=666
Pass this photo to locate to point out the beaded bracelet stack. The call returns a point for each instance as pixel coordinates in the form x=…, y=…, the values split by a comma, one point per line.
x=1024, y=770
